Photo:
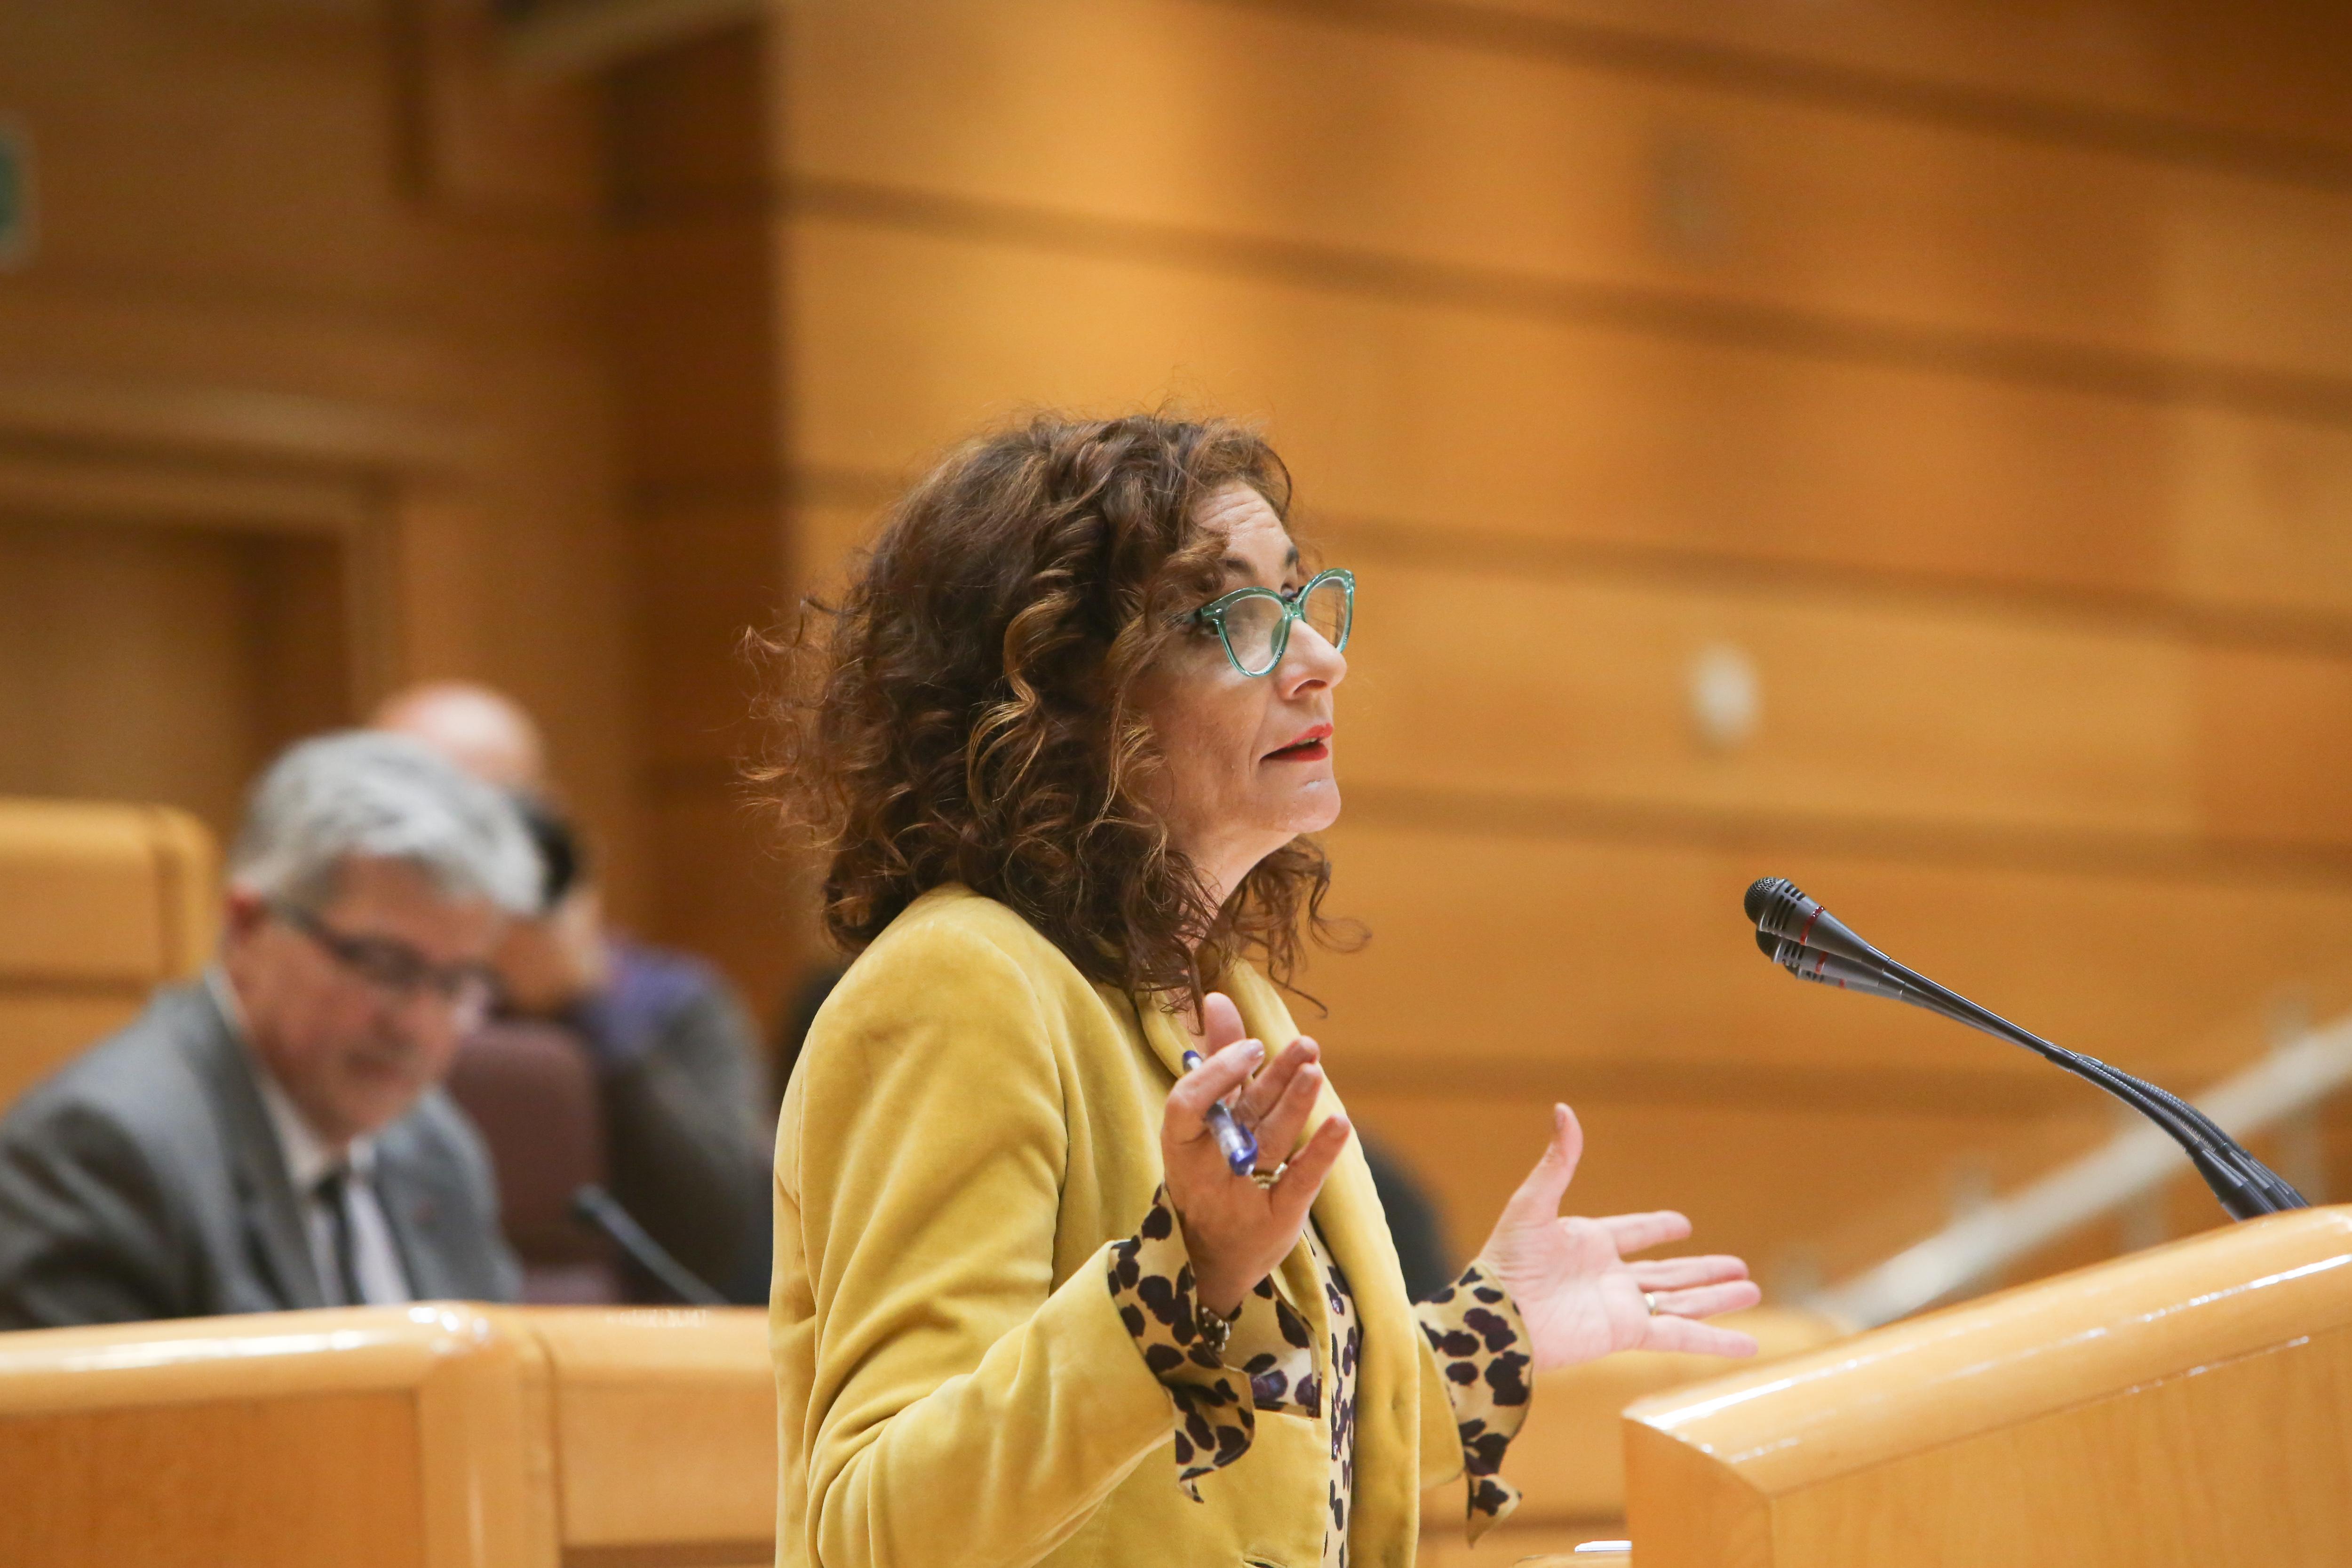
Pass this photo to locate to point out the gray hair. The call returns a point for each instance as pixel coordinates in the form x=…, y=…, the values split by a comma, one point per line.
x=358, y=793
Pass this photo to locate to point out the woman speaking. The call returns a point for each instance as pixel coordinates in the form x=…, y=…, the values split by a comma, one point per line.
x=1075, y=1262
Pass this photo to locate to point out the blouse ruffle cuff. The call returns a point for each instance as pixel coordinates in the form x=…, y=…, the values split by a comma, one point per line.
x=1275, y=1349
x=1481, y=1346
x=1151, y=1284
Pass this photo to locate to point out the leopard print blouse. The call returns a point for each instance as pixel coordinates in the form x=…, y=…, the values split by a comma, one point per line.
x=1271, y=1362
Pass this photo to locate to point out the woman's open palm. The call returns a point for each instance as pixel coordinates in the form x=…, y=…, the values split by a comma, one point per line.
x=1577, y=1294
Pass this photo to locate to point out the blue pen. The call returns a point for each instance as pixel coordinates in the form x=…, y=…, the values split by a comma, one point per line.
x=1241, y=1149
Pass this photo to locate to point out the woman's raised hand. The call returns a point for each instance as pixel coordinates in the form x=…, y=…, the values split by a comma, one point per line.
x=1235, y=1229
x=1577, y=1294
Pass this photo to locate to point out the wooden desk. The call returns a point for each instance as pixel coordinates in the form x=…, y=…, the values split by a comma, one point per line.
x=1568, y=1462
x=2186, y=1407
x=440, y=1435
x=664, y=1434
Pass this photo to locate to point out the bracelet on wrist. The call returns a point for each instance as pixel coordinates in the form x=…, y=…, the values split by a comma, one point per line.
x=1215, y=1328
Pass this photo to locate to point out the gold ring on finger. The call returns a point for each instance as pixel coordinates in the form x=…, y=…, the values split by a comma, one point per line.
x=1268, y=1178
x=1649, y=1302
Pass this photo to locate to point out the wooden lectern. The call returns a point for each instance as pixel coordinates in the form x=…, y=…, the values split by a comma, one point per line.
x=2190, y=1406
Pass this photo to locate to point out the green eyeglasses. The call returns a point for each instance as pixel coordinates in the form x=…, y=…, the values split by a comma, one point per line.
x=1254, y=623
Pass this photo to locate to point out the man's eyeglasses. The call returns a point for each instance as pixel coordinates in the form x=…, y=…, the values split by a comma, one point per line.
x=398, y=970
x=1254, y=623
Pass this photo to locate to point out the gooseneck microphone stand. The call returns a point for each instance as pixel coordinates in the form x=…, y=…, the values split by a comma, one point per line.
x=1809, y=941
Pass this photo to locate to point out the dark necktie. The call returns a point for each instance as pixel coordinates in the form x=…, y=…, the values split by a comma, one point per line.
x=333, y=1192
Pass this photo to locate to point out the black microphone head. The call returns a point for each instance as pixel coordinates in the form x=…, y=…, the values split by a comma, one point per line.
x=1776, y=904
x=1779, y=907
x=1789, y=955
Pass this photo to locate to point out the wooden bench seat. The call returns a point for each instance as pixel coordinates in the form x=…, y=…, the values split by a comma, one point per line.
x=100, y=903
x=443, y=1435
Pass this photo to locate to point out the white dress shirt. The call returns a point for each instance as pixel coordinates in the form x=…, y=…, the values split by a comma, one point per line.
x=308, y=1158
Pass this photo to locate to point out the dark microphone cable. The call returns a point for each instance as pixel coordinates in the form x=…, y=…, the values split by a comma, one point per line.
x=1875, y=980
x=1776, y=903
x=2183, y=1123
x=1780, y=907
x=601, y=1209
x=2243, y=1184
x=1805, y=939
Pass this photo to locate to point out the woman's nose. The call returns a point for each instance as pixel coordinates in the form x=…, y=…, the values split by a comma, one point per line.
x=1311, y=660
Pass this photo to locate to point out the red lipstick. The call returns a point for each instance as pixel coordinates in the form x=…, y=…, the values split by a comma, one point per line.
x=1308, y=747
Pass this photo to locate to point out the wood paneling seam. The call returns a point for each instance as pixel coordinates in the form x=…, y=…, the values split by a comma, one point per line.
x=1464, y=23
x=1407, y=540
x=116, y=416
x=2258, y=628
x=1765, y=329
x=1588, y=819
x=1998, y=1092
x=673, y=1555
x=20, y=985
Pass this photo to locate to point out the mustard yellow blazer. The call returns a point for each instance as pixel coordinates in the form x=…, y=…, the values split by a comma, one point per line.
x=970, y=1126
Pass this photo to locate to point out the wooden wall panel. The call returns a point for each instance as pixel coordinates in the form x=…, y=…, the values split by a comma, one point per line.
x=1354, y=149
x=254, y=163
x=1936, y=720
x=138, y=662
x=1626, y=954
x=696, y=324
x=700, y=394
x=753, y=922
x=1805, y=1127
x=1767, y=1183
x=1996, y=407
x=1750, y=1177
x=555, y=617
x=2259, y=85
x=241, y=263
x=1513, y=432
x=1882, y=713
x=714, y=566
x=826, y=534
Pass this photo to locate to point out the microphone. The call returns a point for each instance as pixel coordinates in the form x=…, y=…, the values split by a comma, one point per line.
x=1775, y=903
x=1777, y=906
x=601, y=1209
x=2170, y=1113
x=1799, y=935
x=1829, y=969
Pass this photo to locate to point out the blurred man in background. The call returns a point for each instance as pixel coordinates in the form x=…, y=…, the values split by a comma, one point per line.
x=271, y=1136
x=674, y=1053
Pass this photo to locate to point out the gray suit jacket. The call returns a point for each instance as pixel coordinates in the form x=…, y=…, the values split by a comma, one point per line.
x=143, y=1180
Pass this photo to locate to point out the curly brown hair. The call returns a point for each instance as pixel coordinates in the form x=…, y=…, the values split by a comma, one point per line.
x=967, y=712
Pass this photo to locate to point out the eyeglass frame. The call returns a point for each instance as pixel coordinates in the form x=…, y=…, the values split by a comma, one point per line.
x=1294, y=608
x=450, y=982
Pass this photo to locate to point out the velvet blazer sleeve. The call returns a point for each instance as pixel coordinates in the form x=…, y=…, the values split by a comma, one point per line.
x=963, y=1405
